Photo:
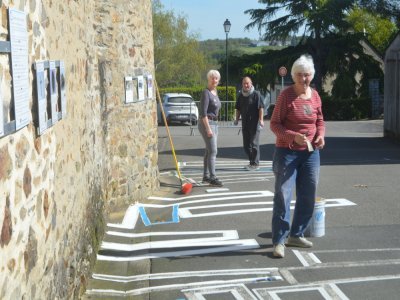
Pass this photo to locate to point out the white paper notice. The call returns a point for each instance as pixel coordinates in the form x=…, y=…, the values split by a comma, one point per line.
x=19, y=66
x=41, y=97
x=53, y=91
x=141, y=87
x=62, y=88
x=149, y=86
x=128, y=90
x=1, y=117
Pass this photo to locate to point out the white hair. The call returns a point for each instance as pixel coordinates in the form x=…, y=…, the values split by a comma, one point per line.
x=213, y=73
x=304, y=64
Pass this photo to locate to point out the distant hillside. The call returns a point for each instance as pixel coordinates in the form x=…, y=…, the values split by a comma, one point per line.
x=215, y=50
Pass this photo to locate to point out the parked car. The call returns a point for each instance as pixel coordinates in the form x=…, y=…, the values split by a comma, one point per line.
x=178, y=107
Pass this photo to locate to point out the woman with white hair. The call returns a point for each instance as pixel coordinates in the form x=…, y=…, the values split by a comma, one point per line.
x=298, y=124
x=208, y=126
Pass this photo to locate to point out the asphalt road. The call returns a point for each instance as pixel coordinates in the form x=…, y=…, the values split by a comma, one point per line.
x=216, y=243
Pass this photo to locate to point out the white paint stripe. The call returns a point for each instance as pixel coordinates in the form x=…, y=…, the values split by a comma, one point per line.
x=301, y=258
x=324, y=294
x=130, y=218
x=182, y=286
x=227, y=162
x=217, y=190
x=314, y=258
x=230, y=194
x=338, y=292
x=288, y=276
x=238, y=291
x=357, y=250
x=349, y=264
x=187, y=212
x=241, y=245
x=186, y=274
x=204, y=242
x=335, y=281
x=232, y=234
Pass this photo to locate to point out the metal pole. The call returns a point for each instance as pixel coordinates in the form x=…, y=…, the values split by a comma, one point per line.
x=226, y=89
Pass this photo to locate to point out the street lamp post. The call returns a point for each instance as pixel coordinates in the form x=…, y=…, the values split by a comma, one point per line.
x=227, y=27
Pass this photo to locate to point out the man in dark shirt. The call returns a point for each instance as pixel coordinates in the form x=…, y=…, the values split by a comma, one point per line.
x=250, y=107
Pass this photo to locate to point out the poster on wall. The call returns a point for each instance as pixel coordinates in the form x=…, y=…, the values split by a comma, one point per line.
x=53, y=91
x=140, y=88
x=1, y=116
x=128, y=89
x=61, y=81
x=19, y=66
x=41, y=97
x=150, y=86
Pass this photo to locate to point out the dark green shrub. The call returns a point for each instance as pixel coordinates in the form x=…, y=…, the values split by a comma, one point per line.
x=346, y=109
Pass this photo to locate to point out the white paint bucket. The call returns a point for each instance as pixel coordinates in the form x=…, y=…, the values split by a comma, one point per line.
x=317, y=223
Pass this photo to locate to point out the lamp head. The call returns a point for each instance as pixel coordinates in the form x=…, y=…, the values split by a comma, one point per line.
x=227, y=26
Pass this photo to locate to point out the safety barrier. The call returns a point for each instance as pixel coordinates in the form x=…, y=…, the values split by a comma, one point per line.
x=225, y=118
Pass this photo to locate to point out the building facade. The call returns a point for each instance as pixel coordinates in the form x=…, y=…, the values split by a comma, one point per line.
x=58, y=185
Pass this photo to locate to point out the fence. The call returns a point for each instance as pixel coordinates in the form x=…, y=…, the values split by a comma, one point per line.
x=225, y=118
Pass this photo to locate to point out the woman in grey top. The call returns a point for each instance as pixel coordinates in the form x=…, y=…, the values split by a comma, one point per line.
x=208, y=126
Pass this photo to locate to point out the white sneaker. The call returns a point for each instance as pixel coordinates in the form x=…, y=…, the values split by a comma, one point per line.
x=299, y=242
x=279, y=250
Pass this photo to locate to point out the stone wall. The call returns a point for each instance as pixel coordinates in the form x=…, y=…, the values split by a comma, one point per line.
x=56, y=189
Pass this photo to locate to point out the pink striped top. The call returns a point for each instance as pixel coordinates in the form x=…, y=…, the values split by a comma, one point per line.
x=293, y=114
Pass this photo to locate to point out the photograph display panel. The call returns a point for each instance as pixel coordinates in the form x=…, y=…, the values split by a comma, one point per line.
x=19, y=66
x=41, y=97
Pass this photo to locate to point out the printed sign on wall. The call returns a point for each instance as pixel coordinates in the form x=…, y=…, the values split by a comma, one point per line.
x=19, y=66
x=53, y=91
x=1, y=116
x=150, y=86
x=41, y=97
x=61, y=81
x=141, y=88
x=128, y=89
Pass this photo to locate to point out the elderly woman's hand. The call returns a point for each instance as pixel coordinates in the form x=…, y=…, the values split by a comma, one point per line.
x=300, y=139
x=319, y=142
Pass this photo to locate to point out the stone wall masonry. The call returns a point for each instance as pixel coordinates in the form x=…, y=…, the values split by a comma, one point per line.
x=57, y=189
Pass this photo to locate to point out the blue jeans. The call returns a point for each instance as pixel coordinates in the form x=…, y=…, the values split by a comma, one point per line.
x=300, y=168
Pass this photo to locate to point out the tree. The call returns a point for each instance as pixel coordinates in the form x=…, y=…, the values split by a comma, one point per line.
x=327, y=34
x=377, y=29
x=319, y=18
x=178, y=60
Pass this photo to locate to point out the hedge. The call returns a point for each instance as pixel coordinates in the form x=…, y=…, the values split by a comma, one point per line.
x=346, y=109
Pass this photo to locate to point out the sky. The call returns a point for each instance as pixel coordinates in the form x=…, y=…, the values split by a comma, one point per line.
x=206, y=17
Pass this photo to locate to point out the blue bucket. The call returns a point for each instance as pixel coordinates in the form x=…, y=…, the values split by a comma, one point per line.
x=317, y=224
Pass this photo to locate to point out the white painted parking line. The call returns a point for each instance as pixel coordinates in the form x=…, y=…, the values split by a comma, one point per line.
x=227, y=246
x=263, y=206
x=210, y=286
x=263, y=272
x=238, y=292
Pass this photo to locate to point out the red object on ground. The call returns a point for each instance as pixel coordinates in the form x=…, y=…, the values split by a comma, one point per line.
x=186, y=188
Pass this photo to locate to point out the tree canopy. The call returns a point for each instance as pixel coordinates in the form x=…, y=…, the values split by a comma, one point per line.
x=178, y=59
x=330, y=31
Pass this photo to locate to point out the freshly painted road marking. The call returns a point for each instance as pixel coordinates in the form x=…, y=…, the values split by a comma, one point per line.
x=267, y=275
x=225, y=246
x=238, y=292
x=265, y=272
x=225, y=234
x=147, y=222
x=187, y=212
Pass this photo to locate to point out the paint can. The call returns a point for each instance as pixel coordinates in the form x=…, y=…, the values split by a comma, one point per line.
x=316, y=228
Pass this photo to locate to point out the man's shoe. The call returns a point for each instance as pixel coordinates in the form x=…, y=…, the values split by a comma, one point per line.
x=298, y=242
x=279, y=250
x=206, y=179
x=215, y=182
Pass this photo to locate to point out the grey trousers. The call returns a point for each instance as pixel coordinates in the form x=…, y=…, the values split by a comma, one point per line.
x=210, y=153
